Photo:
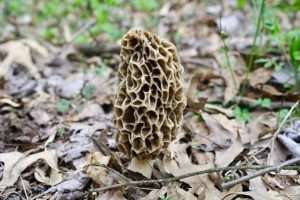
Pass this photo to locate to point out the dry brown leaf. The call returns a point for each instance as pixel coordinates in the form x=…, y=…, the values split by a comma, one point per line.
x=225, y=156
x=41, y=176
x=199, y=77
x=225, y=133
x=211, y=108
x=217, y=133
x=232, y=85
x=257, y=186
x=231, y=77
x=172, y=191
x=97, y=173
x=111, y=194
x=270, y=91
x=259, y=76
x=91, y=110
x=291, y=193
x=16, y=162
x=279, y=154
x=238, y=129
x=20, y=52
x=279, y=181
x=233, y=192
x=179, y=163
x=261, y=125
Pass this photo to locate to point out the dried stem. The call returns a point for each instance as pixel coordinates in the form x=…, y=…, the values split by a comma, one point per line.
x=279, y=129
x=261, y=172
x=207, y=171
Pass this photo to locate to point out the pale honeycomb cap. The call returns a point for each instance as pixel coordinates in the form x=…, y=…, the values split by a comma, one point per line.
x=150, y=101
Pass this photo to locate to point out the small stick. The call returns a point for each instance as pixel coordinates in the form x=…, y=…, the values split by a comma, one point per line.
x=279, y=129
x=177, y=178
x=82, y=30
x=106, y=151
x=24, y=188
x=261, y=172
x=245, y=101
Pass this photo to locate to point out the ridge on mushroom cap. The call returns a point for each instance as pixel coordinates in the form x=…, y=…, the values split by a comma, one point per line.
x=149, y=101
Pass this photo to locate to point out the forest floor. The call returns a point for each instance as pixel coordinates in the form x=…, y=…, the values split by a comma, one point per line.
x=240, y=135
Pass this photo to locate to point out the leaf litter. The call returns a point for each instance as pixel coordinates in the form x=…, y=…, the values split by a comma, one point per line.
x=57, y=134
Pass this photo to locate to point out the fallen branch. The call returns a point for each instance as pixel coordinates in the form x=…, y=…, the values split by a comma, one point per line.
x=261, y=172
x=177, y=178
x=252, y=103
x=96, y=50
x=81, y=31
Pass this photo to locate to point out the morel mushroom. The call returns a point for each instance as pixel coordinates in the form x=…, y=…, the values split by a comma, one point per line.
x=150, y=101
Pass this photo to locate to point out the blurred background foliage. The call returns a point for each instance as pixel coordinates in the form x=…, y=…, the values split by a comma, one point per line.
x=51, y=16
x=51, y=19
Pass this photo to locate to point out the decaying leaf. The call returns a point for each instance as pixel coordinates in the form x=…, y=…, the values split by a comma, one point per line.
x=112, y=194
x=261, y=125
x=16, y=162
x=97, y=173
x=217, y=133
x=259, y=76
x=172, y=191
x=19, y=52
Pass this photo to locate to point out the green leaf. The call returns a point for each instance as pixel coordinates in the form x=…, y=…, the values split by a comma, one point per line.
x=145, y=5
x=240, y=4
x=241, y=114
x=112, y=30
x=102, y=70
x=82, y=39
x=88, y=91
x=50, y=33
x=14, y=7
x=101, y=14
x=281, y=114
x=295, y=50
x=164, y=198
x=60, y=131
x=263, y=102
x=63, y=105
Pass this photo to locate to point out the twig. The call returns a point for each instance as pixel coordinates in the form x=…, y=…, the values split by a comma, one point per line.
x=177, y=178
x=252, y=103
x=261, y=172
x=82, y=30
x=195, y=61
x=279, y=129
x=106, y=151
x=24, y=188
x=92, y=50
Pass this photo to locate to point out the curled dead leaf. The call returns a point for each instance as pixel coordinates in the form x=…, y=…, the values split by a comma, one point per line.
x=16, y=162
